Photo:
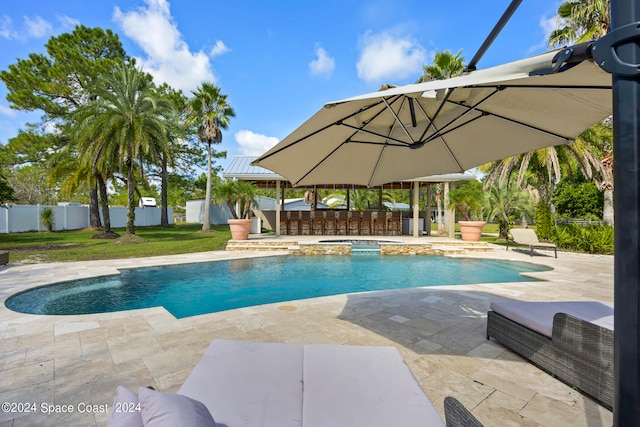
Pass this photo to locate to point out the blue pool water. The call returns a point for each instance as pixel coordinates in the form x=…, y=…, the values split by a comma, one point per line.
x=192, y=289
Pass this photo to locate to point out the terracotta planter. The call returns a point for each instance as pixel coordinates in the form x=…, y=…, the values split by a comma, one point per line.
x=239, y=228
x=471, y=230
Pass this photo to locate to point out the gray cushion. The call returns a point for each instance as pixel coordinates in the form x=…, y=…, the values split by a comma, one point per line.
x=538, y=316
x=125, y=410
x=167, y=409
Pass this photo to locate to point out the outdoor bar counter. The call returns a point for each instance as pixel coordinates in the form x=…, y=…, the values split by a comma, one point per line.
x=341, y=222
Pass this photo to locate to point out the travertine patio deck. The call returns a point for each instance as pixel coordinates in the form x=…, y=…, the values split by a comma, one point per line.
x=79, y=360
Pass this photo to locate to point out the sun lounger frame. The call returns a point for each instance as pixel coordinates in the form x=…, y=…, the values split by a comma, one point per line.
x=579, y=353
x=531, y=242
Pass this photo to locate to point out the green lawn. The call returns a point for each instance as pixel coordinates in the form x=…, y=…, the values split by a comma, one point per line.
x=77, y=245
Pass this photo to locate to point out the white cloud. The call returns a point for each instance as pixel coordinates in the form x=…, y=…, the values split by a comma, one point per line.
x=254, y=144
x=6, y=111
x=547, y=24
x=37, y=27
x=323, y=65
x=168, y=58
x=67, y=22
x=218, y=49
x=6, y=28
x=33, y=28
x=385, y=56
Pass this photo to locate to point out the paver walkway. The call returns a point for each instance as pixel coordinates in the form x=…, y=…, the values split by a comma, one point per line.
x=76, y=362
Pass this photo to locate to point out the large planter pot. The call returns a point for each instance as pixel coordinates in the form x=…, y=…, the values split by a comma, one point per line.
x=239, y=228
x=471, y=230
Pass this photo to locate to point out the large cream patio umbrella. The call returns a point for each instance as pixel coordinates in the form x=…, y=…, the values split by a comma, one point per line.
x=444, y=126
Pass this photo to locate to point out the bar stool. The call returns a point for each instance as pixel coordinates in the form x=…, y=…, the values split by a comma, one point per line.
x=317, y=222
x=329, y=219
x=354, y=220
x=342, y=219
x=380, y=223
x=294, y=223
x=284, y=222
x=366, y=222
x=394, y=223
x=304, y=225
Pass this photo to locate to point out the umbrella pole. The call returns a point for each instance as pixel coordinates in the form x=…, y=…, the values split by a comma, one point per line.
x=626, y=131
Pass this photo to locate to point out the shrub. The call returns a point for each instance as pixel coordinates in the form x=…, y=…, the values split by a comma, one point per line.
x=580, y=200
x=545, y=227
x=47, y=218
x=594, y=239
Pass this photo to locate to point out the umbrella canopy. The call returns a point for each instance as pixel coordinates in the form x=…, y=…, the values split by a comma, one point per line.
x=443, y=126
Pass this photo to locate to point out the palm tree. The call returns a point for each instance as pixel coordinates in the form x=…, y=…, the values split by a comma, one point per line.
x=541, y=169
x=446, y=64
x=240, y=193
x=505, y=203
x=125, y=123
x=580, y=21
x=210, y=111
x=597, y=143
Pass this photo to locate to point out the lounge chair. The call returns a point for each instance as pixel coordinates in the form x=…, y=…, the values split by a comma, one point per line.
x=272, y=384
x=528, y=237
x=573, y=341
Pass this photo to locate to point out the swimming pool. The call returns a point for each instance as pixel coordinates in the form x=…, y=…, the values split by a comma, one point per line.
x=192, y=289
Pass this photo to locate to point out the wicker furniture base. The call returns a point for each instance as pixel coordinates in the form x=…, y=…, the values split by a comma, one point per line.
x=579, y=353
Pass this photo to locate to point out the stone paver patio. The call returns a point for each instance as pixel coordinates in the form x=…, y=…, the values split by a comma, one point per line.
x=440, y=331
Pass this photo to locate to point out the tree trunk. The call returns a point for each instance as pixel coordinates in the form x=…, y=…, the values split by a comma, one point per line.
x=105, y=204
x=206, y=225
x=232, y=209
x=131, y=214
x=164, y=210
x=607, y=210
x=94, y=210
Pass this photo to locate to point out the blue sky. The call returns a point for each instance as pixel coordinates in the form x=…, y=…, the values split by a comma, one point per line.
x=278, y=61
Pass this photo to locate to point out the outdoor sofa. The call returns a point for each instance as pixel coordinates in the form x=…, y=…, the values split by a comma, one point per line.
x=244, y=384
x=571, y=340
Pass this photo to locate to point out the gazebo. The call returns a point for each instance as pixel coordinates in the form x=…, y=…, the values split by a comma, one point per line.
x=241, y=169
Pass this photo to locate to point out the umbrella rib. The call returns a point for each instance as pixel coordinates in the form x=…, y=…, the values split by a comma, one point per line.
x=380, y=135
x=498, y=116
x=398, y=121
x=320, y=162
x=469, y=110
x=375, y=168
x=339, y=122
x=572, y=87
x=442, y=140
x=435, y=116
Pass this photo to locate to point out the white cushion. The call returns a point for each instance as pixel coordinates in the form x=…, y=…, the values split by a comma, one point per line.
x=125, y=410
x=362, y=386
x=249, y=383
x=538, y=316
x=167, y=409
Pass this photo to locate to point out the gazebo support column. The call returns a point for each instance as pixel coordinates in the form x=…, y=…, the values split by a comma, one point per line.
x=278, y=208
x=416, y=208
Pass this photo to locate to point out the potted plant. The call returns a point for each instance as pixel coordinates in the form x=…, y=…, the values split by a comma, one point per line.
x=467, y=198
x=240, y=195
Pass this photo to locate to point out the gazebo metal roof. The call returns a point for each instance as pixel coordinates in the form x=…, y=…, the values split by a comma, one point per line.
x=240, y=168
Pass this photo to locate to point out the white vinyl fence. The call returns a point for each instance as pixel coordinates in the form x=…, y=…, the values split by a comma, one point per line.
x=19, y=218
